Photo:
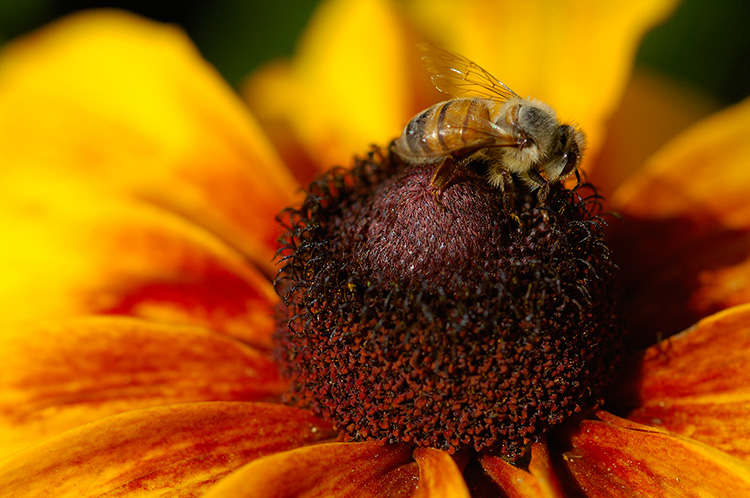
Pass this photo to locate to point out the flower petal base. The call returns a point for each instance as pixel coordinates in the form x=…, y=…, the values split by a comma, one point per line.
x=444, y=321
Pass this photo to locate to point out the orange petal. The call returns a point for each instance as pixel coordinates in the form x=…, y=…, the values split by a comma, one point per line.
x=349, y=86
x=330, y=470
x=175, y=450
x=685, y=243
x=618, y=458
x=74, y=253
x=538, y=482
x=61, y=375
x=698, y=383
x=129, y=106
x=685, y=177
x=652, y=111
x=575, y=55
x=439, y=476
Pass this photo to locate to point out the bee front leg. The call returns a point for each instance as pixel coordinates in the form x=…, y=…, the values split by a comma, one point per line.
x=543, y=192
x=541, y=183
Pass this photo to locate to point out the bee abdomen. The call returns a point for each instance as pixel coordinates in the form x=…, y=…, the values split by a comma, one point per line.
x=440, y=131
x=420, y=139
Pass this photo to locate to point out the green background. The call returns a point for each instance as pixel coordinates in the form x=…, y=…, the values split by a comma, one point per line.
x=706, y=44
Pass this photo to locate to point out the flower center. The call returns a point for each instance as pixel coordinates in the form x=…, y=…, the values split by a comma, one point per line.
x=449, y=324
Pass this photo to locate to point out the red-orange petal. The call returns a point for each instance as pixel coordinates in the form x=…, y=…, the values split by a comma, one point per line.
x=175, y=450
x=685, y=243
x=539, y=481
x=439, y=476
x=129, y=106
x=58, y=376
x=698, y=383
x=616, y=458
x=331, y=470
x=74, y=252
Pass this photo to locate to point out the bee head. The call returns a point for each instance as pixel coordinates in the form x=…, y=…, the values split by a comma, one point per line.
x=566, y=153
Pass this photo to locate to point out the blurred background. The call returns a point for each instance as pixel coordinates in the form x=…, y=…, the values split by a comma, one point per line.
x=705, y=45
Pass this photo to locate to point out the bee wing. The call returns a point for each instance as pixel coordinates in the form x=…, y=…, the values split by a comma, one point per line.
x=456, y=75
x=479, y=132
x=476, y=131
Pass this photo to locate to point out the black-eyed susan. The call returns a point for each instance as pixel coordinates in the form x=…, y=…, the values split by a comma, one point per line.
x=138, y=202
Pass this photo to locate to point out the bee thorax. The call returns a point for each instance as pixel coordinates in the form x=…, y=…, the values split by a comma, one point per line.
x=519, y=160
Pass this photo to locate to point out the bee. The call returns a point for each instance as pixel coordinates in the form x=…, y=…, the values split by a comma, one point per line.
x=487, y=122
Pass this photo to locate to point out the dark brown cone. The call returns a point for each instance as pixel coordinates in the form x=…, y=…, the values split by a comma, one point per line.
x=444, y=325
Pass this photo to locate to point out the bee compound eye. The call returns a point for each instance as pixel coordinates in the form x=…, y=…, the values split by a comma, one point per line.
x=571, y=160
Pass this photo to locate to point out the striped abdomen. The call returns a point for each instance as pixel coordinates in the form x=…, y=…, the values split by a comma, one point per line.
x=451, y=128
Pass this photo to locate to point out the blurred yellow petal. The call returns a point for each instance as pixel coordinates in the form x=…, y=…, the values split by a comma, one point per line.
x=439, y=476
x=357, y=79
x=698, y=383
x=574, y=55
x=57, y=376
x=349, y=86
x=685, y=242
x=129, y=106
x=653, y=110
x=331, y=470
x=176, y=450
x=702, y=173
x=70, y=251
x=616, y=458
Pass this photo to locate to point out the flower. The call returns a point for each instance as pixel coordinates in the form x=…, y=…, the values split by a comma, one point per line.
x=136, y=286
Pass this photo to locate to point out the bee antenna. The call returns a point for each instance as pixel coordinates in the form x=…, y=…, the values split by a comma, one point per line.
x=578, y=176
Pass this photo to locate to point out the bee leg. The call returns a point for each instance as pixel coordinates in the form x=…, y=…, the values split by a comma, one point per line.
x=543, y=193
x=541, y=183
x=506, y=185
x=507, y=205
x=442, y=177
x=436, y=197
x=535, y=179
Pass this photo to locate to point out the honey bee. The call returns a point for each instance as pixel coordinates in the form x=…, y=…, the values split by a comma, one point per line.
x=488, y=122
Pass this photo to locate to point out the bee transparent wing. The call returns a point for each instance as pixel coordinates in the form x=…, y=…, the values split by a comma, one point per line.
x=493, y=135
x=456, y=75
x=477, y=131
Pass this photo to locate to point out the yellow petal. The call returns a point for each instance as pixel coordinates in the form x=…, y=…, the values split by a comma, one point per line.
x=616, y=458
x=698, y=383
x=331, y=470
x=685, y=243
x=439, y=476
x=73, y=252
x=175, y=450
x=129, y=106
x=575, y=55
x=539, y=481
x=357, y=79
x=349, y=86
x=57, y=376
